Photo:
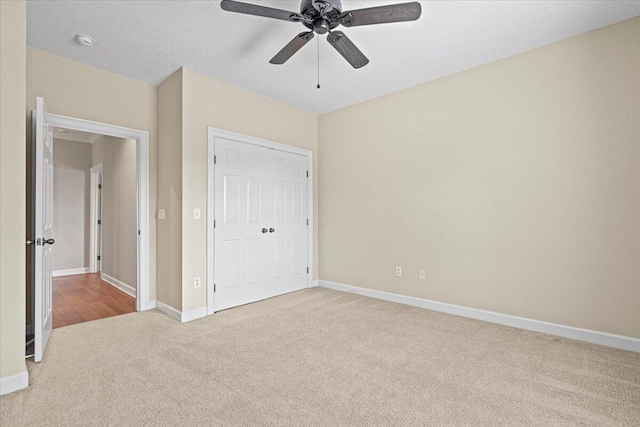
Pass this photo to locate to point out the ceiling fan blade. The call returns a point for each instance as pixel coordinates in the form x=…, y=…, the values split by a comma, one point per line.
x=267, y=12
x=346, y=48
x=381, y=14
x=292, y=47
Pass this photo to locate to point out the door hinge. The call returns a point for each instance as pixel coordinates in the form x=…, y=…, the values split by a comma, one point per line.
x=215, y=159
x=214, y=223
x=99, y=222
x=214, y=287
x=307, y=174
x=98, y=257
x=138, y=232
x=99, y=186
x=307, y=221
x=307, y=270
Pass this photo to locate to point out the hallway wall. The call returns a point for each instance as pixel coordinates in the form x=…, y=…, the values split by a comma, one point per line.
x=71, y=203
x=119, y=212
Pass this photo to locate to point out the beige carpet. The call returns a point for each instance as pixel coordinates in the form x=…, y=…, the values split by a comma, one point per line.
x=321, y=357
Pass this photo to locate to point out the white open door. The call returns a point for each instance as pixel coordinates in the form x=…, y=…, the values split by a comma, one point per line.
x=43, y=170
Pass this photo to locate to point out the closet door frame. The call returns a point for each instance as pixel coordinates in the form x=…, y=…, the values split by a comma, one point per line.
x=214, y=133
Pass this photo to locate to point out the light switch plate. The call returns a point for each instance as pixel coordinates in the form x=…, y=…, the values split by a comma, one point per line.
x=196, y=282
x=196, y=213
x=161, y=214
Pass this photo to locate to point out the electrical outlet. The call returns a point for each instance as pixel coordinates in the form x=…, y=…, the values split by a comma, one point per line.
x=161, y=214
x=196, y=282
x=399, y=271
x=196, y=213
x=422, y=275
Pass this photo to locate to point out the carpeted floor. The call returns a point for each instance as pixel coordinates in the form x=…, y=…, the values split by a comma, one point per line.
x=321, y=357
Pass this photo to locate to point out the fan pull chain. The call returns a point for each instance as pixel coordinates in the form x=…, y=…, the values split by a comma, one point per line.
x=318, y=62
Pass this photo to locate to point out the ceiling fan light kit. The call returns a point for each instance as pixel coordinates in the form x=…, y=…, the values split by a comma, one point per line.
x=322, y=17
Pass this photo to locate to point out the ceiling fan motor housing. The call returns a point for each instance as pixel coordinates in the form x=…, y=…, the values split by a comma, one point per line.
x=313, y=8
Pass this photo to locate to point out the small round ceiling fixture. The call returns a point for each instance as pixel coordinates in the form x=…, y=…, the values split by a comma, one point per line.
x=84, y=40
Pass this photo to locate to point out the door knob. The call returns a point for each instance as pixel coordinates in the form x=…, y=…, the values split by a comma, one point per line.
x=48, y=242
x=264, y=230
x=271, y=230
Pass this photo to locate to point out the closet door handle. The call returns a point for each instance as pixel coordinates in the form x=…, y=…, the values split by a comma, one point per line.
x=264, y=230
x=48, y=242
x=271, y=230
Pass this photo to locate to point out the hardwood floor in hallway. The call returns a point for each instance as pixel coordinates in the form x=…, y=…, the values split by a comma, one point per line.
x=84, y=297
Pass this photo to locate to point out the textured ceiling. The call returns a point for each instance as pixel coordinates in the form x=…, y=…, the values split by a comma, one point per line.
x=149, y=40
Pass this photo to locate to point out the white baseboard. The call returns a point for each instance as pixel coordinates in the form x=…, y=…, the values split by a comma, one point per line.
x=180, y=316
x=193, y=314
x=118, y=284
x=169, y=311
x=15, y=382
x=595, y=337
x=71, y=271
x=314, y=283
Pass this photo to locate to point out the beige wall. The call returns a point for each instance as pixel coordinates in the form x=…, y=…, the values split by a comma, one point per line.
x=208, y=102
x=71, y=203
x=516, y=185
x=170, y=191
x=77, y=90
x=13, y=33
x=119, y=207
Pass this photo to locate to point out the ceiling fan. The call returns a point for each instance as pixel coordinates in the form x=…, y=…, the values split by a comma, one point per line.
x=323, y=16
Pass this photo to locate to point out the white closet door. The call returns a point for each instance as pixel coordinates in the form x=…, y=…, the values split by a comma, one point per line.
x=289, y=213
x=261, y=223
x=242, y=198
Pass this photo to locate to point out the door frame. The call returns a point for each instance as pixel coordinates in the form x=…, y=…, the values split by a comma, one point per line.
x=214, y=133
x=95, y=231
x=142, y=203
